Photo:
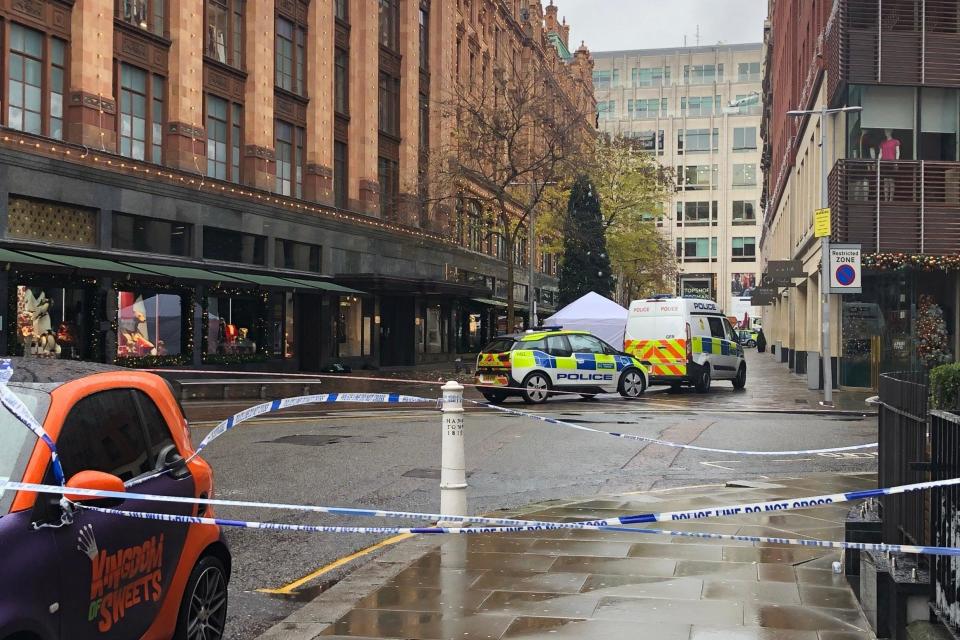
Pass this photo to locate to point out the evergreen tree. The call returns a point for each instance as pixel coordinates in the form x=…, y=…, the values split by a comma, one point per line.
x=932, y=338
x=586, y=264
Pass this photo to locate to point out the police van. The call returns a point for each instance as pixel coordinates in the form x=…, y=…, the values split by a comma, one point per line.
x=684, y=341
x=535, y=363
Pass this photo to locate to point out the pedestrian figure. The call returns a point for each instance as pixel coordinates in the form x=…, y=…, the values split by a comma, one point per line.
x=761, y=342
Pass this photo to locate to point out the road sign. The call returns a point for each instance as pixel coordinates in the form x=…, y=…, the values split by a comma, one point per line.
x=845, y=276
x=821, y=223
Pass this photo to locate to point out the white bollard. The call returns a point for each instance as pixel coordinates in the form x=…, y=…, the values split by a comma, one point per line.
x=453, y=472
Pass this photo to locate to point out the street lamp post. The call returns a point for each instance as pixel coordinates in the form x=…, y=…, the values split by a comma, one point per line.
x=824, y=248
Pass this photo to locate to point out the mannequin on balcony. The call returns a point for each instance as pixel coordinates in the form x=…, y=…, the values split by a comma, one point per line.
x=889, y=150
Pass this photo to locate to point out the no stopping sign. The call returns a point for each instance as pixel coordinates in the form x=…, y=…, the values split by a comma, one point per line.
x=845, y=268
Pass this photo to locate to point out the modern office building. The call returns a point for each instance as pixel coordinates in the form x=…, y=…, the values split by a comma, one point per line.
x=229, y=182
x=676, y=104
x=893, y=179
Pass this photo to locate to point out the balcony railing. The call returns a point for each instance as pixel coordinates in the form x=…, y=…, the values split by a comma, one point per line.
x=907, y=42
x=910, y=207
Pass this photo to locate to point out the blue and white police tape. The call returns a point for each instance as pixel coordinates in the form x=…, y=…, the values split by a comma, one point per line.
x=666, y=443
x=15, y=405
x=783, y=504
x=286, y=403
x=280, y=526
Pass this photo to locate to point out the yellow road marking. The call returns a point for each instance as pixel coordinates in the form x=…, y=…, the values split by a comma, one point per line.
x=289, y=589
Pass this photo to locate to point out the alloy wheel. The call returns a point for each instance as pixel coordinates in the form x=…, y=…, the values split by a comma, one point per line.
x=208, y=606
x=632, y=384
x=537, y=388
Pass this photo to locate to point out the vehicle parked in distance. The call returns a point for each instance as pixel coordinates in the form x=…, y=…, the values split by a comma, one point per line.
x=684, y=341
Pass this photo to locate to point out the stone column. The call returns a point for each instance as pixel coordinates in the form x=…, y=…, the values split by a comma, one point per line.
x=409, y=112
x=91, y=115
x=364, y=192
x=259, y=166
x=318, y=182
x=185, y=139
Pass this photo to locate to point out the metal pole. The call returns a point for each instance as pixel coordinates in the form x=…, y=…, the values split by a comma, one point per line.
x=453, y=473
x=531, y=236
x=825, y=268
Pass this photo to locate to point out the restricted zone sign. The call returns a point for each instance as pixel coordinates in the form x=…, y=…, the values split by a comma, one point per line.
x=845, y=268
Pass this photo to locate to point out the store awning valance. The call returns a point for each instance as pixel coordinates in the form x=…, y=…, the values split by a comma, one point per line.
x=184, y=273
x=325, y=286
x=85, y=263
x=260, y=279
x=491, y=303
x=7, y=256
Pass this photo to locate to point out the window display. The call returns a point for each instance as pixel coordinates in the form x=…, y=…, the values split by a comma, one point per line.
x=232, y=324
x=349, y=333
x=435, y=330
x=149, y=324
x=50, y=321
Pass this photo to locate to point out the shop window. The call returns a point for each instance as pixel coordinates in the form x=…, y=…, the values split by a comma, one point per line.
x=225, y=31
x=149, y=324
x=290, y=56
x=35, y=82
x=224, y=139
x=885, y=127
x=436, y=335
x=939, y=111
x=289, y=337
x=290, y=159
x=51, y=222
x=141, y=114
x=696, y=289
x=233, y=246
x=144, y=14
x=137, y=233
x=234, y=324
x=52, y=321
x=350, y=327
x=298, y=256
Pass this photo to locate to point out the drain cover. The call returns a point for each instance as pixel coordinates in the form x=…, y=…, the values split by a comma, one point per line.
x=427, y=474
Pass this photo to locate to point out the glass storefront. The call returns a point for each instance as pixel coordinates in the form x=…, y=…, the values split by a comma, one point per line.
x=350, y=329
x=51, y=321
x=149, y=324
x=436, y=338
x=233, y=324
x=879, y=331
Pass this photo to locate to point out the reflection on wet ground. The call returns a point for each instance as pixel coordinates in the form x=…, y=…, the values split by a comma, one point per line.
x=590, y=584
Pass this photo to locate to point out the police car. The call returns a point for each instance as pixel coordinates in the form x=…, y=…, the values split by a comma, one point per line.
x=534, y=363
x=685, y=341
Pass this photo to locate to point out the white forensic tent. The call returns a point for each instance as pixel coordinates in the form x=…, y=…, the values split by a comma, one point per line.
x=600, y=316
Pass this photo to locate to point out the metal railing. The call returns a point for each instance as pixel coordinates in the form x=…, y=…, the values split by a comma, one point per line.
x=945, y=515
x=902, y=206
x=903, y=455
x=908, y=42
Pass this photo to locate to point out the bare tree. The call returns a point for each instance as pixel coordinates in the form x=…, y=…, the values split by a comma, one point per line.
x=514, y=133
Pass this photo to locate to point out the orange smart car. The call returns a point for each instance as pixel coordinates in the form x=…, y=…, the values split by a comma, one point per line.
x=101, y=575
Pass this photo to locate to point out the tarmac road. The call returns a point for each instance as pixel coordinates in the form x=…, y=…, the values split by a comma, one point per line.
x=390, y=459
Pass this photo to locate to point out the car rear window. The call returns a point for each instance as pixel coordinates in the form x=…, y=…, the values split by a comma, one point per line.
x=655, y=327
x=16, y=440
x=499, y=345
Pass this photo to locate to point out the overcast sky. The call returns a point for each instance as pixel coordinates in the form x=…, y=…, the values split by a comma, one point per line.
x=647, y=24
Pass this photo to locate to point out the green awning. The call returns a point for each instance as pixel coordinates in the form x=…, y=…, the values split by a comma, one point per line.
x=21, y=258
x=184, y=273
x=90, y=264
x=260, y=279
x=491, y=303
x=325, y=286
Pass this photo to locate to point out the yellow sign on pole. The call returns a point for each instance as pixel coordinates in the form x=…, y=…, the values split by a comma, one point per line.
x=821, y=223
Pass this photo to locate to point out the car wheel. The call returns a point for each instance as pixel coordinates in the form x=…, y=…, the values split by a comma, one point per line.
x=494, y=397
x=536, y=388
x=741, y=380
x=203, y=610
x=751, y=343
x=703, y=380
x=632, y=384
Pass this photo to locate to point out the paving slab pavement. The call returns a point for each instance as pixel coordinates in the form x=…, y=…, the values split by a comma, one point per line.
x=610, y=585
